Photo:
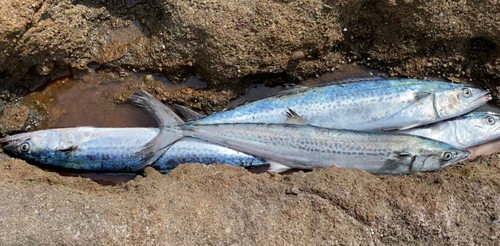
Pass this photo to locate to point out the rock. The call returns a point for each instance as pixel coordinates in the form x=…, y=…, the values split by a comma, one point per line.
x=225, y=40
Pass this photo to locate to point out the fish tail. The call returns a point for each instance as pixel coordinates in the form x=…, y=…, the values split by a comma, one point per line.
x=170, y=131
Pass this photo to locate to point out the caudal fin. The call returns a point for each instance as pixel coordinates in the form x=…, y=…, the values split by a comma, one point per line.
x=162, y=114
x=168, y=122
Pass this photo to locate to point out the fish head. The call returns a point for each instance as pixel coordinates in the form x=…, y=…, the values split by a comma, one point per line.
x=36, y=146
x=458, y=99
x=435, y=158
x=477, y=128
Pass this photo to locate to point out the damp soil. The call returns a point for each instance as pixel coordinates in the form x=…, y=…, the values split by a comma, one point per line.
x=62, y=63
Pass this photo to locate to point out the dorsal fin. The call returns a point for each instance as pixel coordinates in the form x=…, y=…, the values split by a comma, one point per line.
x=345, y=74
x=294, y=118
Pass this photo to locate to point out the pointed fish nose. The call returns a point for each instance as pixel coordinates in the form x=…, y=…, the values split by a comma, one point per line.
x=18, y=138
x=486, y=97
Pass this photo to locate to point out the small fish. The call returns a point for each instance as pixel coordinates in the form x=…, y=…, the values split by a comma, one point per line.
x=465, y=131
x=371, y=104
x=113, y=149
x=287, y=146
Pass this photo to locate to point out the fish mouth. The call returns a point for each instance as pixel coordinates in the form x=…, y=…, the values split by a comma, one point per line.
x=484, y=98
x=464, y=159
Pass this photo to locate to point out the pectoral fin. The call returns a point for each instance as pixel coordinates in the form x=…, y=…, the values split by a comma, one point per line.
x=418, y=96
x=421, y=94
x=69, y=148
x=397, y=163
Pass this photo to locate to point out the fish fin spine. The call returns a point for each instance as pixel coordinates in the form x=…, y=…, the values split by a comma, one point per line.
x=294, y=118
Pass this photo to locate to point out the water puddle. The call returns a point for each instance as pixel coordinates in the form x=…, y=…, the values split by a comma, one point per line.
x=88, y=101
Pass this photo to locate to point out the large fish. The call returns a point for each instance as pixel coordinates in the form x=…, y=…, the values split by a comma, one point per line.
x=465, y=131
x=113, y=149
x=376, y=104
x=287, y=146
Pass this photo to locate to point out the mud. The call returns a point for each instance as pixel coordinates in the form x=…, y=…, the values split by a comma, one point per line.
x=76, y=52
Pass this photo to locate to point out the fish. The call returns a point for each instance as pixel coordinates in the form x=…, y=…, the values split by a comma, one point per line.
x=373, y=104
x=113, y=149
x=295, y=144
x=464, y=131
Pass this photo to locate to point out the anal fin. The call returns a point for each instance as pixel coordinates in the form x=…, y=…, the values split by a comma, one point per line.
x=278, y=167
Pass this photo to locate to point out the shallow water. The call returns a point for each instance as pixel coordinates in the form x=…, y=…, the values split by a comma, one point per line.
x=88, y=101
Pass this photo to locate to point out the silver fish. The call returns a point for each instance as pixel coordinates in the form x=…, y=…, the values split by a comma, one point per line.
x=465, y=131
x=287, y=146
x=376, y=104
x=113, y=149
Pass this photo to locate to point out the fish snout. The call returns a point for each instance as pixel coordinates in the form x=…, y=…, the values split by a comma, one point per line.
x=10, y=142
x=485, y=97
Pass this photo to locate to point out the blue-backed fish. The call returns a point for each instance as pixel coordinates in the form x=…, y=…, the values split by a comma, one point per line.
x=370, y=104
x=113, y=149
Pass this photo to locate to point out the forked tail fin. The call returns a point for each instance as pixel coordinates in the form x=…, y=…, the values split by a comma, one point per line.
x=168, y=122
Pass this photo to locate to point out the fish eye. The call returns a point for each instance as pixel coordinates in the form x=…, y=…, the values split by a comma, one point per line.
x=447, y=156
x=466, y=92
x=24, y=147
x=490, y=120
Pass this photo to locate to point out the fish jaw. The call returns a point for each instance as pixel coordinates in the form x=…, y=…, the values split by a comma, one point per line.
x=485, y=98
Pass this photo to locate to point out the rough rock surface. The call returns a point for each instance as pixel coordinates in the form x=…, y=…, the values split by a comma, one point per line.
x=223, y=205
x=224, y=40
x=227, y=43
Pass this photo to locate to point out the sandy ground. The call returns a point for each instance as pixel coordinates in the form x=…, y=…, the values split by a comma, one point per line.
x=231, y=44
x=223, y=205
